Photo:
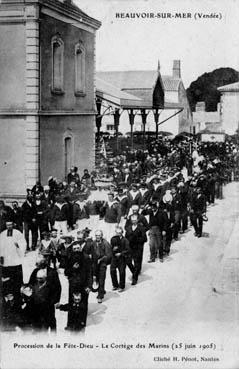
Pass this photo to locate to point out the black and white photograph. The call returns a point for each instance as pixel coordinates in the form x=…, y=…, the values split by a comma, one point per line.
x=119, y=184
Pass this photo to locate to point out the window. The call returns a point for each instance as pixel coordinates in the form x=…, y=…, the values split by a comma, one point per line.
x=110, y=127
x=79, y=69
x=68, y=154
x=57, y=65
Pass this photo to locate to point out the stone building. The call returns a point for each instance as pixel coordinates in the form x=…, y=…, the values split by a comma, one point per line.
x=47, y=94
x=230, y=107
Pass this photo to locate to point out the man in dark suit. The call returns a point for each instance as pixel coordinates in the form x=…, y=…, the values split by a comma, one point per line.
x=29, y=214
x=156, y=227
x=17, y=216
x=79, y=272
x=198, y=210
x=120, y=250
x=136, y=235
x=46, y=293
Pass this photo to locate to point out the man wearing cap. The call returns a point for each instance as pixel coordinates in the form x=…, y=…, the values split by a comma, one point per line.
x=12, y=251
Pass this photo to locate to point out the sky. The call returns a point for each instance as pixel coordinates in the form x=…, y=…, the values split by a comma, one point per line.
x=202, y=44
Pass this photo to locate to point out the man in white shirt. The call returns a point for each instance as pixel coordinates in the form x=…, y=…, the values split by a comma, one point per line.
x=12, y=251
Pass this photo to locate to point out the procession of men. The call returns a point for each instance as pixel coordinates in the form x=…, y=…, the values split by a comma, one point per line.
x=86, y=232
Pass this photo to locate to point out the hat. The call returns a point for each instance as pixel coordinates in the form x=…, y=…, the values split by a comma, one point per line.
x=67, y=236
x=87, y=230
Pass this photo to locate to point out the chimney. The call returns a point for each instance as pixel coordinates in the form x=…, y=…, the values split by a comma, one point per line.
x=177, y=69
x=158, y=69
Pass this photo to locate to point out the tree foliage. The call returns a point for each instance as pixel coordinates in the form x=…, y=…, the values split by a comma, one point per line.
x=205, y=87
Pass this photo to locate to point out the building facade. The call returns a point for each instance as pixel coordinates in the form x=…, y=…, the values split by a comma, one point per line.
x=230, y=107
x=47, y=94
x=206, y=120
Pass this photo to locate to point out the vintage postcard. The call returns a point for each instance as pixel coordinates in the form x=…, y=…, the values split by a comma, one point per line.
x=119, y=184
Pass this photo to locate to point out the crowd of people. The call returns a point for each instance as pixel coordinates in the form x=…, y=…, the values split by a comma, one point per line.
x=81, y=227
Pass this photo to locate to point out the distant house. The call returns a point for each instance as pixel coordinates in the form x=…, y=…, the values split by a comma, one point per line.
x=206, y=120
x=142, y=85
x=230, y=107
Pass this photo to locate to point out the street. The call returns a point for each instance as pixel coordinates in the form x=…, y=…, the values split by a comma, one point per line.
x=197, y=283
